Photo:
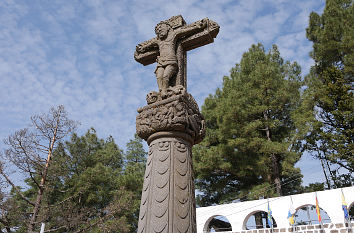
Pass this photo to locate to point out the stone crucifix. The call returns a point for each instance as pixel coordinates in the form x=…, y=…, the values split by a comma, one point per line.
x=169, y=49
x=171, y=124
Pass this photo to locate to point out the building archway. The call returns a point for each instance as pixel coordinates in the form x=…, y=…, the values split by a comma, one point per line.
x=351, y=211
x=306, y=215
x=217, y=223
x=257, y=220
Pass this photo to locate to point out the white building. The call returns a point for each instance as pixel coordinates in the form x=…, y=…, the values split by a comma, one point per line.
x=238, y=213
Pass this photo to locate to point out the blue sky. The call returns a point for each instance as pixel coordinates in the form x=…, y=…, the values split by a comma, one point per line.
x=80, y=54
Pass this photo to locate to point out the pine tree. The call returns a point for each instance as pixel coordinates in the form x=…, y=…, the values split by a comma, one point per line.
x=84, y=190
x=92, y=197
x=12, y=212
x=328, y=101
x=31, y=151
x=250, y=140
x=133, y=178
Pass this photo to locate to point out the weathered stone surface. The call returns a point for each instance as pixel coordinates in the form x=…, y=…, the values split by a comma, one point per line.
x=171, y=124
x=168, y=190
x=169, y=48
x=178, y=113
x=203, y=32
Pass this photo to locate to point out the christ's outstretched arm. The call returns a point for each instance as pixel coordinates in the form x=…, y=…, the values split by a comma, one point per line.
x=191, y=28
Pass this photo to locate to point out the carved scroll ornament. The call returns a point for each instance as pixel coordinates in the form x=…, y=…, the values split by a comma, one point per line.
x=179, y=112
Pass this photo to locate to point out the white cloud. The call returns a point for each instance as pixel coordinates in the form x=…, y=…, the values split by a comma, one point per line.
x=81, y=54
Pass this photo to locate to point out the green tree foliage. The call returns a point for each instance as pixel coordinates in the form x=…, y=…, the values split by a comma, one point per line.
x=30, y=150
x=250, y=142
x=313, y=187
x=88, y=188
x=328, y=104
x=135, y=160
x=92, y=186
x=11, y=211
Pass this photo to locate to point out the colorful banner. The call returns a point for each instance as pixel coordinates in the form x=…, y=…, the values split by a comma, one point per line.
x=269, y=217
x=345, y=207
x=318, y=211
x=291, y=214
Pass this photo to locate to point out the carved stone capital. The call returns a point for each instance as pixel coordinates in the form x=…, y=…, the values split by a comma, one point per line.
x=178, y=112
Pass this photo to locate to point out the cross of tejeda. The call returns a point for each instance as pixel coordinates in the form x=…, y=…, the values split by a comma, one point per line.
x=169, y=48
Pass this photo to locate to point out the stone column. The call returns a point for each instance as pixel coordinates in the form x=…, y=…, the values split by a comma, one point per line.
x=171, y=127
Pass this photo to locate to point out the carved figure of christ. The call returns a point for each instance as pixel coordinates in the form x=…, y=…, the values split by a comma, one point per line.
x=166, y=41
x=169, y=48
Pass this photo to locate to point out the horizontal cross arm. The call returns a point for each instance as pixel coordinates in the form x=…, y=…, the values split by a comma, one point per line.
x=204, y=37
x=147, y=52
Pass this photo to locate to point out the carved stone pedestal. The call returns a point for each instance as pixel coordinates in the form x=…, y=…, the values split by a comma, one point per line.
x=171, y=127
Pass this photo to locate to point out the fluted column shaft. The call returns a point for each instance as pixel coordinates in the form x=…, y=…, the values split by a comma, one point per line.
x=171, y=126
x=168, y=203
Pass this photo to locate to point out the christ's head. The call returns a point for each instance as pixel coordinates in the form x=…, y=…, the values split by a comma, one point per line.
x=162, y=30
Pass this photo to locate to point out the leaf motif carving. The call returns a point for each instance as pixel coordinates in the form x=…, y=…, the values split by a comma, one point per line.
x=181, y=168
x=159, y=218
x=183, y=228
x=183, y=218
x=161, y=181
x=161, y=226
x=170, y=164
x=182, y=195
x=182, y=211
x=182, y=160
x=162, y=194
x=159, y=209
x=163, y=155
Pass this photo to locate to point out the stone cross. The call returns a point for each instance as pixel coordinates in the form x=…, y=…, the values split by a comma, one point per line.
x=169, y=48
x=171, y=124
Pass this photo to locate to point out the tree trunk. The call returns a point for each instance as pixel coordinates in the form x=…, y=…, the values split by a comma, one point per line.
x=275, y=161
x=276, y=174
x=37, y=205
x=325, y=173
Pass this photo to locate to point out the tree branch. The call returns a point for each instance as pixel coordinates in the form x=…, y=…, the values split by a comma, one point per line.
x=16, y=189
x=48, y=206
x=6, y=225
x=56, y=229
